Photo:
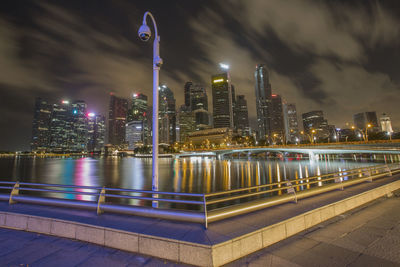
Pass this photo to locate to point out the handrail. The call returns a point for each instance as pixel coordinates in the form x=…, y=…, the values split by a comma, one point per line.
x=211, y=207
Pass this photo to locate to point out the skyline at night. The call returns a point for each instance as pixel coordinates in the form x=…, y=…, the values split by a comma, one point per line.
x=340, y=57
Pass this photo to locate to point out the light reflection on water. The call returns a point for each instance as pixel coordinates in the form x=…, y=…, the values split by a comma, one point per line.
x=194, y=174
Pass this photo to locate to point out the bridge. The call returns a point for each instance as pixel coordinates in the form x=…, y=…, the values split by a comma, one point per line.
x=311, y=151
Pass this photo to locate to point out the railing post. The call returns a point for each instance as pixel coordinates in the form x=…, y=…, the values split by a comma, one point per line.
x=14, y=192
x=389, y=170
x=101, y=200
x=370, y=174
x=339, y=179
x=205, y=211
x=291, y=190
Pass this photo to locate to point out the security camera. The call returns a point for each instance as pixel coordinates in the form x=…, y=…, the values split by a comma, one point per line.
x=144, y=32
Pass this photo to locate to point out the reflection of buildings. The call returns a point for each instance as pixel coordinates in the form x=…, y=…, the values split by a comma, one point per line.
x=291, y=123
x=166, y=115
x=386, y=124
x=96, y=132
x=314, y=120
x=41, y=125
x=210, y=137
x=361, y=120
x=116, y=120
x=263, y=101
x=222, y=101
x=242, y=115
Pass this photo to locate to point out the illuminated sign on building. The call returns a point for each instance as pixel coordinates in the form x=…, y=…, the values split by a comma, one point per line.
x=218, y=80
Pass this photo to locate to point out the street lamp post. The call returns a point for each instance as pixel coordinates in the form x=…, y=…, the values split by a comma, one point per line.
x=366, y=132
x=145, y=34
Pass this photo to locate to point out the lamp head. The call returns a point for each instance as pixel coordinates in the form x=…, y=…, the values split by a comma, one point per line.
x=144, y=33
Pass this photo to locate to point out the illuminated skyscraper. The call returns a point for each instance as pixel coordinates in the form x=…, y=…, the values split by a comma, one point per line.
x=291, y=122
x=277, y=124
x=96, y=132
x=41, y=125
x=61, y=127
x=263, y=102
x=166, y=115
x=241, y=115
x=117, y=114
x=222, y=101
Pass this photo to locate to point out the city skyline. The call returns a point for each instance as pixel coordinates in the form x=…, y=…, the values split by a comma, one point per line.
x=341, y=67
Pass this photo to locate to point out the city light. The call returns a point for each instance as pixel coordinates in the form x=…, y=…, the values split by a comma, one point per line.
x=218, y=80
x=75, y=111
x=135, y=95
x=91, y=114
x=224, y=66
x=65, y=102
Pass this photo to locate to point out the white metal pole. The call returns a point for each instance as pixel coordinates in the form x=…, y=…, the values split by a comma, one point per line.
x=156, y=69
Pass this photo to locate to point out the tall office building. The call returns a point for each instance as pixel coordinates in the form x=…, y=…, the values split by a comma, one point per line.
x=195, y=96
x=386, y=124
x=222, y=101
x=138, y=112
x=117, y=114
x=186, y=122
x=263, y=102
x=96, y=132
x=314, y=120
x=277, y=124
x=291, y=122
x=41, y=125
x=167, y=115
x=61, y=127
x=79, y=122
x=138, y=109
x=187, y=88
x=361, y=121
x=242, y=115
x=134, y=134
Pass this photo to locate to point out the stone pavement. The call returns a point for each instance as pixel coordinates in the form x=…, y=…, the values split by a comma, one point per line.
x=366, y=236
x=20, y=248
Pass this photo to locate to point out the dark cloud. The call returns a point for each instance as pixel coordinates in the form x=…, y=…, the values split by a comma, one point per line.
x=338, y=56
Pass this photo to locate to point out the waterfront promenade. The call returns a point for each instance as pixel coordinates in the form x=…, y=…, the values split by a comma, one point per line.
x=223, y=242
x=366, y=236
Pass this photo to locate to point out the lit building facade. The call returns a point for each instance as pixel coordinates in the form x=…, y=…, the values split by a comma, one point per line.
x=41, y=125
x=263, y=102
x=242, y=115
x=186, y=123
x=134, y=134
x=222, y=101
x=117, y=114
x=363, y=119
x=314, y=120
x=96, y=132
x=277, y=124
x=291, y=123
x=386, y=124
x=166, y=115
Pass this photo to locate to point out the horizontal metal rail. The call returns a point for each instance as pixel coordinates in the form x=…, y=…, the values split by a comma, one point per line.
x=211, y=207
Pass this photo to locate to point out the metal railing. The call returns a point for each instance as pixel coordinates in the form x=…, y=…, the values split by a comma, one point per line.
x=190, y=207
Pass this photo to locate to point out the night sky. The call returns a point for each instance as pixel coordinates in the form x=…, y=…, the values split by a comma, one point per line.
x=339, y=56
